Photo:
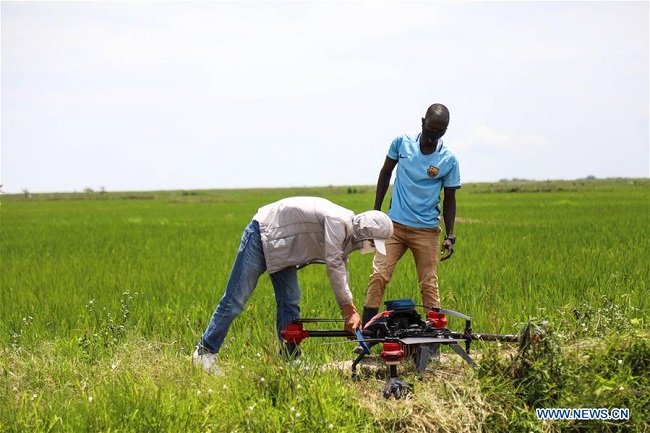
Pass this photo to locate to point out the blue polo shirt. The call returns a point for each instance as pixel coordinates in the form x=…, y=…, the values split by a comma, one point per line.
x=415, y=199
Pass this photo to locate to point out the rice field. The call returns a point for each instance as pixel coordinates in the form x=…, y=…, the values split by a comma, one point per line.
x=103, y=296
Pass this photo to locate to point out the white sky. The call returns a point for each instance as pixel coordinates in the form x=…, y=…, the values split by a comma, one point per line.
x=195, y=95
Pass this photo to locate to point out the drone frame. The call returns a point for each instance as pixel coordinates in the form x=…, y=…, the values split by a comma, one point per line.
x=402, y=333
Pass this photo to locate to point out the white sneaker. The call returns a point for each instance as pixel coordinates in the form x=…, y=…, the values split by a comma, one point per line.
x=208, y=361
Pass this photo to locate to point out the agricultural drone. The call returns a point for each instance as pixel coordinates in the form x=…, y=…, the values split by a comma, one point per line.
x=403, y=334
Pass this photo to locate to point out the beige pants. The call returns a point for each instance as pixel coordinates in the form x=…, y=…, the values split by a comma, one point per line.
x=425, y=246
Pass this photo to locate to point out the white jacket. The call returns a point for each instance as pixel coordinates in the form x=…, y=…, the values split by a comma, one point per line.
x=298, y=231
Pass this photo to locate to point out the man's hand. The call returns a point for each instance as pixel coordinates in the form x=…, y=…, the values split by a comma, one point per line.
x=352, y=318
x=447, y=249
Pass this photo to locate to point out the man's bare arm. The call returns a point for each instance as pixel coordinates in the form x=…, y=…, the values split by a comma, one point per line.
x=384, y=181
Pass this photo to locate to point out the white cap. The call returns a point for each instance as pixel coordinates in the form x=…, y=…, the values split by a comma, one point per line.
x=373, y=245
x=375, y=226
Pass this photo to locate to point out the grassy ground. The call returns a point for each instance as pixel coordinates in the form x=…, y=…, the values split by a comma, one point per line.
x=103, y=296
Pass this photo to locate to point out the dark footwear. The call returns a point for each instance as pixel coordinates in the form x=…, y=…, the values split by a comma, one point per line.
x=290, y=351
x=368, y=314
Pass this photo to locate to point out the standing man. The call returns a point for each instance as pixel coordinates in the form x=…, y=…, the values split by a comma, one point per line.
x=425, y=167
x=282, y=237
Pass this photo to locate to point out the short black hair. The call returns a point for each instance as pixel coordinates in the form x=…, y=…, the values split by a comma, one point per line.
x=438, y=111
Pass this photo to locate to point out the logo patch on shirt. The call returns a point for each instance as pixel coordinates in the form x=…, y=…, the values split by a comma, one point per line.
x=432, y=171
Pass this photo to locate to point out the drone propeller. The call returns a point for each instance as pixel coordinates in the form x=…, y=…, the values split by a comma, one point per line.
x=315, y=320
x=454, y=313
x=447, y=312
x=427, y=340
x=365, y=340
x=406, y=340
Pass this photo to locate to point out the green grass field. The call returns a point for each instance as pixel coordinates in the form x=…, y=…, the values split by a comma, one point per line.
x=104, y=295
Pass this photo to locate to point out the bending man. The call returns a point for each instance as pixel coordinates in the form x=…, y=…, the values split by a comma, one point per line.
x=281, y=238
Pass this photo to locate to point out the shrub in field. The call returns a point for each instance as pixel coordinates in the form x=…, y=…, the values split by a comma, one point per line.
x=18, y=331
x=532, y=377
x=610, y=373
x=557, y=370
x=106, y=328
x=592, y=319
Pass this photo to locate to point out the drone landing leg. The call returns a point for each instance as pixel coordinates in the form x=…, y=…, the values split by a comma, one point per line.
x=356, y=362
x=421, y=359
x=459, y=350
x=395, y=386
x=435, y=352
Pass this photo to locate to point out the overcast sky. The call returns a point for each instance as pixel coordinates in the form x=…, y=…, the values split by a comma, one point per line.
x=130, y=96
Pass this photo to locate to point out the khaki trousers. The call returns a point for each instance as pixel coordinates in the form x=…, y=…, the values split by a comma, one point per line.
x=425, y=246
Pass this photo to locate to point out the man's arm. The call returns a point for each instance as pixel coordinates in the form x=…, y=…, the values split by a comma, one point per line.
x=352, y=318
x=337, y=271
x=449, y=217
x=384, y=181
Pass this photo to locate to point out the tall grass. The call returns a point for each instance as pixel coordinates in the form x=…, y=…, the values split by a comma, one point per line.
x=104, y=296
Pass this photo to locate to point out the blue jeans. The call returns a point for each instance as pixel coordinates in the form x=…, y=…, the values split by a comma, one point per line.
x=248, y=267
